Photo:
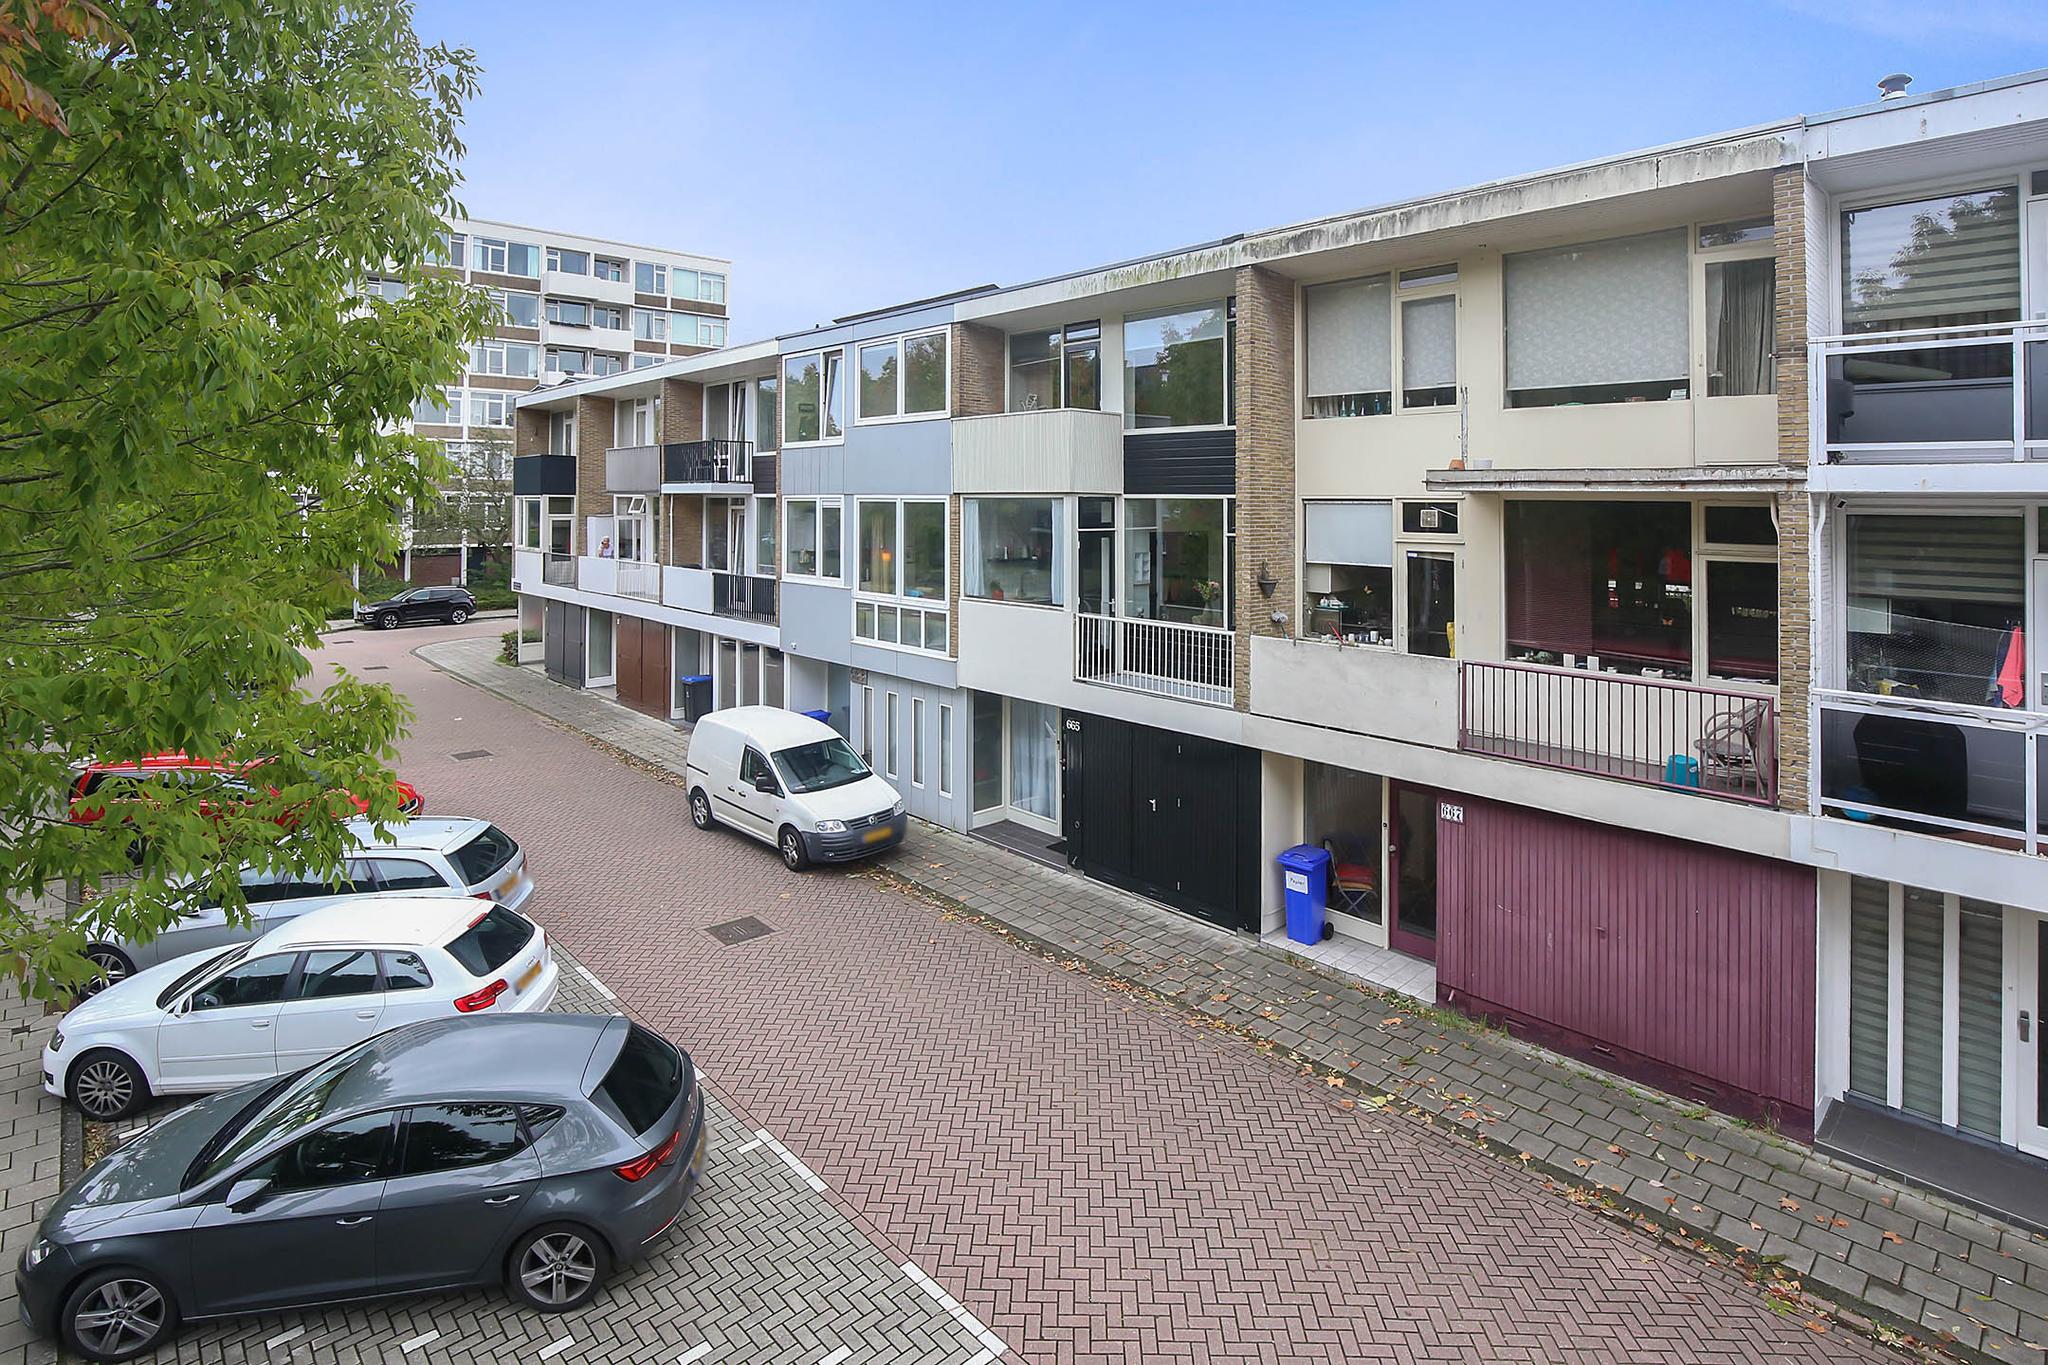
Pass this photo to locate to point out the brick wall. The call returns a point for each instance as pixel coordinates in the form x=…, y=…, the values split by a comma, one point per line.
x=682, y=411
x=979, y=355
x=1795, y=578
x=1263, y=397
x=593, y=438
x=530, y=432
x=682, y=529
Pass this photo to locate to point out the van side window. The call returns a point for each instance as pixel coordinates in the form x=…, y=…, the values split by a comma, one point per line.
x=753, y=766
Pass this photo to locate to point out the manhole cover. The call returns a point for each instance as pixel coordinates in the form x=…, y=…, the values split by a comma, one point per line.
x=468, y=754
x=738, y=930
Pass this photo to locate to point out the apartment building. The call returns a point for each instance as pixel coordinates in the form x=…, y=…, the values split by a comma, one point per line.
x=1623, y=572
x=570, y=306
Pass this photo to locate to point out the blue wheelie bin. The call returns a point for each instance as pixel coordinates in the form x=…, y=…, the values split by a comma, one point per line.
x=1305, y=871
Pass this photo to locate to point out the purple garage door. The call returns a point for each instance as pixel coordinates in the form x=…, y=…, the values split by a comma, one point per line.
x=1687, y=965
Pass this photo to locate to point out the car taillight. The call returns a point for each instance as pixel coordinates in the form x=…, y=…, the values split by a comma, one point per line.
x=640, y=1167
x=480, y=896
x=483, y=999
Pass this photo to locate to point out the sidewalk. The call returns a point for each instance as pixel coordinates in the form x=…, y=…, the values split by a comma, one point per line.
x=1880, y=1250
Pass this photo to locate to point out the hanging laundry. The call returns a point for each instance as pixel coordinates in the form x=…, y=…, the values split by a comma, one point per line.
x=2009, y=675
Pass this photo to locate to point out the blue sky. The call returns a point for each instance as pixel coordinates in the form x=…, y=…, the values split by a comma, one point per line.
x=847, y=157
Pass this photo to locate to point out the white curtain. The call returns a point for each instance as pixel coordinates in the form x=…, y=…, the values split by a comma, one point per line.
x=1349, y=334
x=1598, y=313
x=1348, y=533
x=976, y=584
x=1060, y=550
x=1034, y=758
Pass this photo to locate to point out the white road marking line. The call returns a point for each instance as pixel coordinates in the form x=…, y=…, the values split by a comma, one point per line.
x=993, y=1345
x=697, y=1352
x=794, y=1162
x=282, y=1337
x=423, y=1339
x=595, y=984
x=843, y=1353
x=555, y=1348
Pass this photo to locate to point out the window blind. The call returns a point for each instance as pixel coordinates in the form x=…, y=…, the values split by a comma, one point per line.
x=1964, y=559
x=1429, y=343
x=1980, y=1018
x=1348, y=331
x=1932, y=262
x=1357, y=533
x=1920, y=1046
x=1598, y=313
x=1870, y=984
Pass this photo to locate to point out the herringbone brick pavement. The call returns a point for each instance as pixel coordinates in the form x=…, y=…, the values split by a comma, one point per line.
x=1094, y=1179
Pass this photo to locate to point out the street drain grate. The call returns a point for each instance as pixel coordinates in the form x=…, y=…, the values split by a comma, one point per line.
x=468, y=754
x=738, y=930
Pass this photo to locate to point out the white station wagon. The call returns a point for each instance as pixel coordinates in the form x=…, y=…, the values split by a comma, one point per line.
x=308, y=988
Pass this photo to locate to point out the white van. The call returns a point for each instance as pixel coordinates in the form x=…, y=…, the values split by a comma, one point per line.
x=790, y=781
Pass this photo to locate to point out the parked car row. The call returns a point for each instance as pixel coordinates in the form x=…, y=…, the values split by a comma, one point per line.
x=388, y=1104
x=223, y=780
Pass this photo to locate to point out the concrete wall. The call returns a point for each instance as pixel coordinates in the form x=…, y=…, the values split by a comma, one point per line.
x=951, y=806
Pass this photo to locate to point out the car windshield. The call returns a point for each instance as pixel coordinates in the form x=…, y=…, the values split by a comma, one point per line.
x=220, y=960
x=275, y=1113
x=817, y=767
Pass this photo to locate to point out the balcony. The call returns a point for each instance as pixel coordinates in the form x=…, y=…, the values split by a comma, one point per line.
x=1164, y=658
x=1937, y=395
x=1045, y=450
x=749, y=597
x=716, y=464
x=539, y=476
x=1970, y=772
x=686, y=587
x=1707, y=741
x=632, y=469
x=558, y=570
x=638, y=578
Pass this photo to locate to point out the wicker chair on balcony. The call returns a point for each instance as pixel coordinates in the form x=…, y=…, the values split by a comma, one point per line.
x=1731, y=746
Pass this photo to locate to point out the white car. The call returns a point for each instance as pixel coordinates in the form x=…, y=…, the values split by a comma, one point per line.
x=439, y=856
x=310, y=987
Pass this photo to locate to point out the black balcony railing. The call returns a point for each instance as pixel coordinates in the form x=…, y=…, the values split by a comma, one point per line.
x=745, y=595
x=558, y=569
x=707, y=462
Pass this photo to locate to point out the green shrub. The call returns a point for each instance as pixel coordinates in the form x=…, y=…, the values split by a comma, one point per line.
x=508, y=647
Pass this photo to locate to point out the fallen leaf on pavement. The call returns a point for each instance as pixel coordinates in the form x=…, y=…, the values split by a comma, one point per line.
x=1891, y=1236
x=1789, y=1205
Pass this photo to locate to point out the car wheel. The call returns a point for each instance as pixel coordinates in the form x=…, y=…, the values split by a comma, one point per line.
x=558, y=1267
x=792, y=844
x=116, y=1314
x=457, y=617
x=110, y=965
x=700, y=810
x=387, y=620
x=106, y=1086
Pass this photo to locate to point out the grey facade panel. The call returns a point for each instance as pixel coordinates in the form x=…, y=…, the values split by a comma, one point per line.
x=817, y=621
x=1184, y=462
x=536, y=476
x=895, y=663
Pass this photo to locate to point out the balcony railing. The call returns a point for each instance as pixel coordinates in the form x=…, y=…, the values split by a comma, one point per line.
x=707, y=462
x=1165, y=658
x=1972, y=772
x=1932, y=395
x=558, y=570
x=638, y=578
x=1709, y=740
x=750, y=596
x=632, y=469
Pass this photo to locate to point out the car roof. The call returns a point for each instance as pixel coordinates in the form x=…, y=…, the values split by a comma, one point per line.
x=466, y=1057
x=771, y=726
x=436, y=834
x=389, y=920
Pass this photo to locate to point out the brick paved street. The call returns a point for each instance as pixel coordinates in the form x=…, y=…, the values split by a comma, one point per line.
x=1089, y=1175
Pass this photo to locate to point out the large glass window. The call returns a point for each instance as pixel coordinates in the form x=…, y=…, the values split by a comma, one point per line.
x=511, y=358
x=649, y=278
x=1348, y=335
x=764, y=413
x=878, y=548
x=924, y=550
x=517, y=309
x=650, y=324
x=568, y=262
x=902, y=574
x=1949, y=261
x=1601, y=584
x=1741, y=308
x=1177, y=368
x=1429, y=352
x=491, y=407
x=902, y=377
x=1432, y=604
x=1010, y=549
x=440, y=407
x=1936, y=606
x=1059, y=368
x=1348, y=587
x=813, y=399
x=500, y=257
x=1177, y=559
x=1600, y=322
x=569, y=312
x=813, y=538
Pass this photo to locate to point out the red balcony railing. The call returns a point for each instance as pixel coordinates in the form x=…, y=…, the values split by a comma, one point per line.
x=1659, y=733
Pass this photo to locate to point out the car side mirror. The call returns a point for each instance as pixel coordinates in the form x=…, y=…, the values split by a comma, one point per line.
x=246, y=1194
x=766, y=785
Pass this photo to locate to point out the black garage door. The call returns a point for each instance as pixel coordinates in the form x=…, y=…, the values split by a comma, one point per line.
x=563, y=629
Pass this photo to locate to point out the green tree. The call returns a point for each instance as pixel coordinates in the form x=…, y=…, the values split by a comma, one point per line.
x=198, y=428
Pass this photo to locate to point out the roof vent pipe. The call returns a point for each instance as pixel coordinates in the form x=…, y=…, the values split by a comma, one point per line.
x=1894, y=86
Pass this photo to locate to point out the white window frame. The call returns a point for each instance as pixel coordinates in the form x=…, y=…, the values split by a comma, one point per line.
x=895, y=601
x=503, y=400
x=454, y=407
x=600, y=264
x=660, y=277
x=650, y=324
x=608, y=317
x=917, y=742
x=786, y=543
x=782, y=395
x=554, y=260
x=1059, y=362
x=1399, y=294
x=900, y=341
x=550, y=312
x=539, y=508
x=492, y=357
x=1701, y=257
x=632, y=420
x=703, y=329
x=562, y=432
x=1231, y=360
x=946, y=742
x=503, y=298
x=634, y=509
x=549, y=366
x=890, y=708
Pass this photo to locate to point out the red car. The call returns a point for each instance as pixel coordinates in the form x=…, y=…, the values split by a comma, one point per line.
x=228, y=775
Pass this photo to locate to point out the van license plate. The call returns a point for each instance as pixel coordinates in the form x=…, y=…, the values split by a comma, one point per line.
x=526, y=977
x=876, y=835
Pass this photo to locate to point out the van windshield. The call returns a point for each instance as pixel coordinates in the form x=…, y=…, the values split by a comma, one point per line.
x=817, y=767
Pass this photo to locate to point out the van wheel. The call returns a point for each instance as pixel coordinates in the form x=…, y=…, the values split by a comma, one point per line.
x=793, y=856
x=700, y=810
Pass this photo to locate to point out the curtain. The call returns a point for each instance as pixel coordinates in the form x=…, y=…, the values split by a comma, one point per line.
x=1429, y=343
x=976, y=583
x=1349, y=335
x=1741, y=297
x=1598, y=313
x=1059, y=552
x=1034, y=757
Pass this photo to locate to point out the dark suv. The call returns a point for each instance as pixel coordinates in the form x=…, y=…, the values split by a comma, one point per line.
x=453, y=605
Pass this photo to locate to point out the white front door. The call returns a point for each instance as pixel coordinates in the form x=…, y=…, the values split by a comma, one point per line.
x=2027, y=938
x=337, y=1005
x=227, y=1032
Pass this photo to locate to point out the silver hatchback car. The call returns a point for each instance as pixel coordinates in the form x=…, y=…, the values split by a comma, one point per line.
x=427, y=856
x=533, y=1151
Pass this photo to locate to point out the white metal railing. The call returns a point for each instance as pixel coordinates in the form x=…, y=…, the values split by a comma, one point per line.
x=1908, y=397
x=1165, y=658
x=1976, y=770
x=637, y=578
